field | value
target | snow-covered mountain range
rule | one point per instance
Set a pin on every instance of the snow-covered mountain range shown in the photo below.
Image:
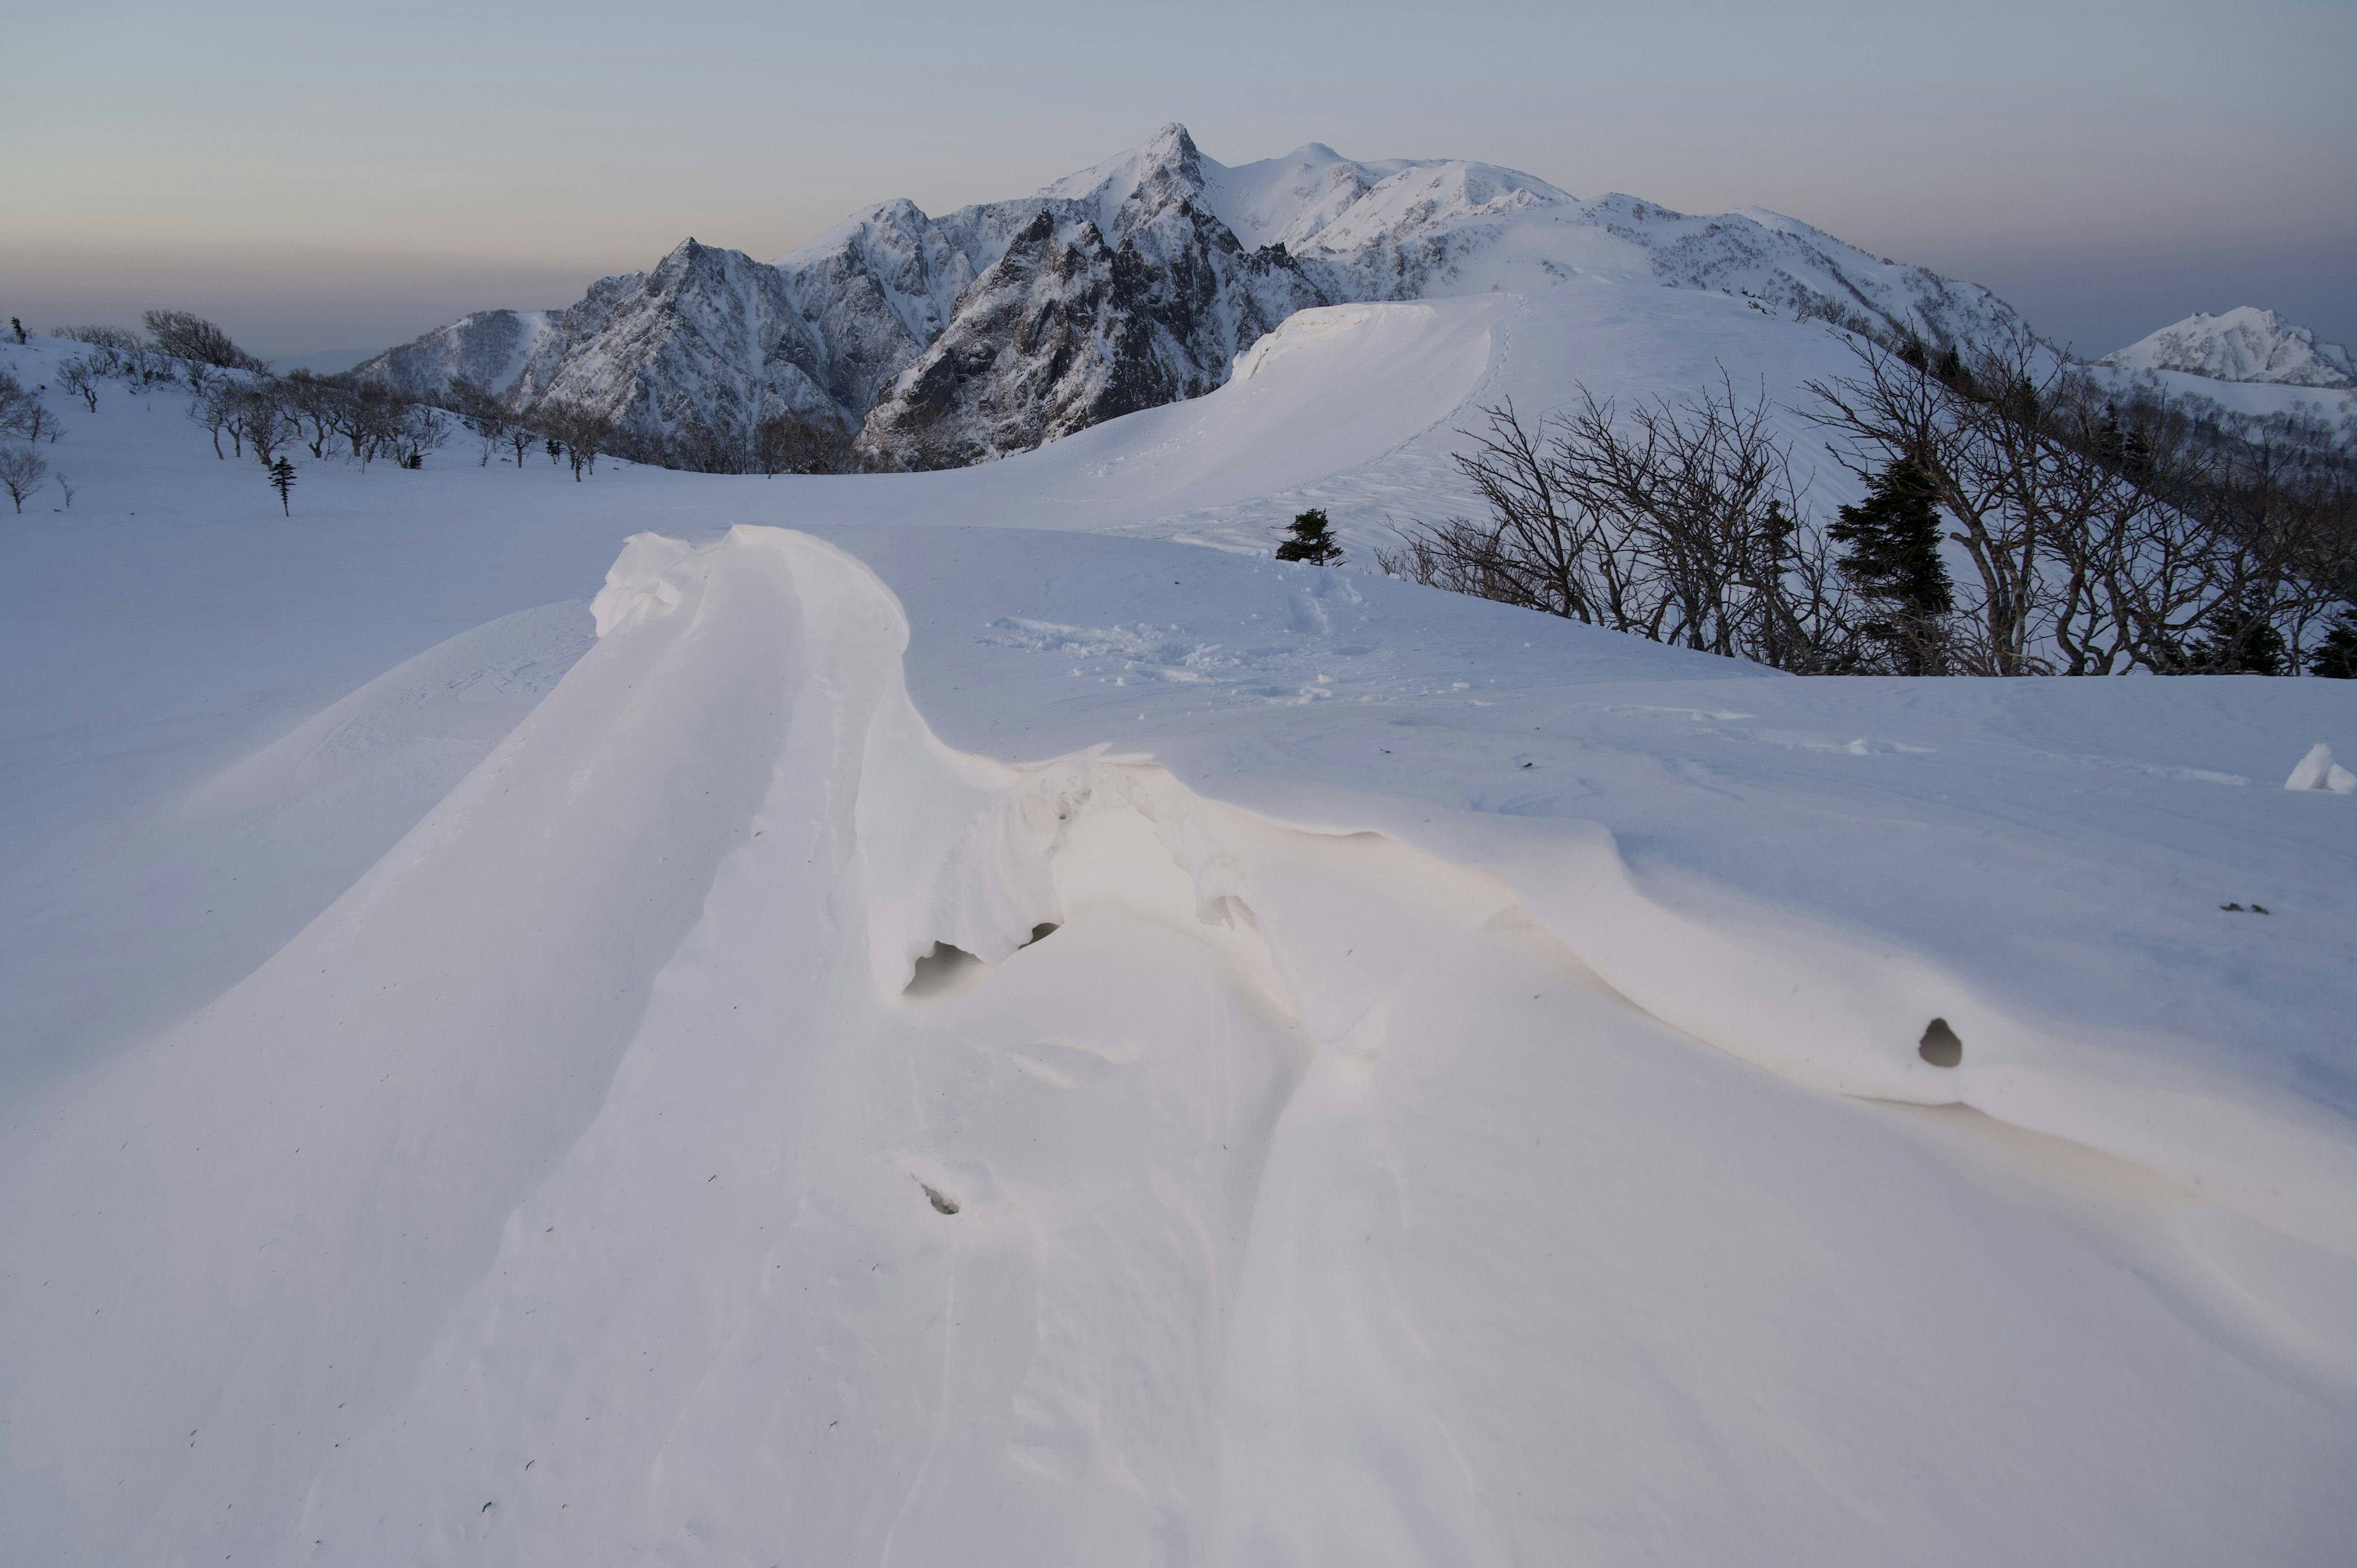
(956, 340)
(2242, 345)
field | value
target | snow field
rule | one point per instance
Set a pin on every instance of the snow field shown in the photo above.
(1373, 1164)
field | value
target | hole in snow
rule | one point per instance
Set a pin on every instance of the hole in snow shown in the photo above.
(941, 969)
(941, 1201)
(1940, 1046)
(1042, 932)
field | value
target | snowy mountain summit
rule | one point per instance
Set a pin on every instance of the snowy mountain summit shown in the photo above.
(952, 341)
(2240, 345)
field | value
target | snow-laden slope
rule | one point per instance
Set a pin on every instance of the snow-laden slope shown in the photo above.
(1376, 1163)
(2240, 345)
(488, 349)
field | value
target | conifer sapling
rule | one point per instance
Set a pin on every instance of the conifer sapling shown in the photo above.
(1894, 561)
(1310, 540)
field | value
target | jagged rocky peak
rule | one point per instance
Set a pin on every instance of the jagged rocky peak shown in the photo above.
(1136, 282)
(2246, 344)
(1122, 292)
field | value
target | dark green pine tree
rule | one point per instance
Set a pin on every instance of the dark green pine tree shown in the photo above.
(1310, 540)
(282, 480)
(1893, 561)
(2335, 658)
(2240, 639)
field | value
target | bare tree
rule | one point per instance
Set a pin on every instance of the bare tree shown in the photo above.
(118, 338)
(481, 412)
(215, 408)
(181, 334)
(262, 420)
(21, 471)
(2099, 544)
(22, 414)
(789, 443)
(520, 438)
(317, 402)
(1676, 522)
(79, 379)
(579, 430)
(421, 428)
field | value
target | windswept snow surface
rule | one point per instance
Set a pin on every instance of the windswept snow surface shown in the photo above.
(943, 1024)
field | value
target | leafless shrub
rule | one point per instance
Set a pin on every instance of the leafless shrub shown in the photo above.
(796, 444)
(1676, 522)
(21, 471)
(482, 414)
(579, 431)
(118, 338)
(261, 418)
(2100, 538)
(22, 414)
(76, 378)
(182, 335)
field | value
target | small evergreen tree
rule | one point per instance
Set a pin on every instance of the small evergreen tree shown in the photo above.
(2241, 639)
(282, 480)
(2335, 658)
(1310, 540)
(17, 327)
(1893, 560)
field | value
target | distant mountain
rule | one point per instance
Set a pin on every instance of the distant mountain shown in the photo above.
(488, 349)
(944, 341)
(2240, 345)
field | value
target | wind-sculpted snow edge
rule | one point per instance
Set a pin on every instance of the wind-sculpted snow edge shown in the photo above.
(1798, 1000)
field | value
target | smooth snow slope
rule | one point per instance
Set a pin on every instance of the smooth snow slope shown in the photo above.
(1333, 1185)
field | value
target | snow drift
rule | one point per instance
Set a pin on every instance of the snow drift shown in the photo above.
(736, 1126)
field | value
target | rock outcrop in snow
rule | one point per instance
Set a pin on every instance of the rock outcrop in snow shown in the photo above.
(1137, 282)
(2242, 345)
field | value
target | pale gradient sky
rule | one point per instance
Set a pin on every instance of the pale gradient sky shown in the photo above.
(334, 176)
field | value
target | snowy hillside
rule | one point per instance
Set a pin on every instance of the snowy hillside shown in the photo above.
(934, 1018)
(488, 349)
(2240, 345)
(1127, 285)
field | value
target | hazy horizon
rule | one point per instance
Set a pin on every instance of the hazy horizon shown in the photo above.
(339, 182)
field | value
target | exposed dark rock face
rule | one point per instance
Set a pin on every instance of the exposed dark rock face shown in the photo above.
(1069, 329)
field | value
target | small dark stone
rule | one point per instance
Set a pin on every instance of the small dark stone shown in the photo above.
(1940, 1046)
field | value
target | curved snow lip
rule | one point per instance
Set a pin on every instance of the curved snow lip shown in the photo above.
(959, 851)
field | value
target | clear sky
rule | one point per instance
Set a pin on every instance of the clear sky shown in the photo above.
(334, 176)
